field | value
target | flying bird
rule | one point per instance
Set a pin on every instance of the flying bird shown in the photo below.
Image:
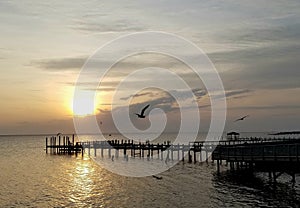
(142, 115)
(242, 118)
(157, 177)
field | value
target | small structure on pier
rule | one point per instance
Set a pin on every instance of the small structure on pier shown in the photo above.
(233, 135)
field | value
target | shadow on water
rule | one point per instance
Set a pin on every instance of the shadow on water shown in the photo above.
(243, 188)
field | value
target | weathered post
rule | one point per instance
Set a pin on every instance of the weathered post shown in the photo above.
(109, 151)
(190, 156)
(151, 150)
(133, 150)
(64, 139)
(182, 151)
(162, 152)
(59, 141)
(178, 152)
(172, 146)
(200, 155)
(143, 150)
(158, 150)
(218, 166)
(55, 149)
(206, 154)
(46, 145)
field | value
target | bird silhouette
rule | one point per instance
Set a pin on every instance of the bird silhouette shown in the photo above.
(142, 115)
(242, 118)
(157, 177)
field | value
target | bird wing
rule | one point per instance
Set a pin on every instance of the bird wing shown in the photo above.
(240, 119)
(143, 111)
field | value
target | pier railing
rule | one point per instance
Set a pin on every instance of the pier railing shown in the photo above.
(282, 151)
(273, 156)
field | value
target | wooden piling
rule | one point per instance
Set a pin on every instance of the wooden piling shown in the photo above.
(46, 145)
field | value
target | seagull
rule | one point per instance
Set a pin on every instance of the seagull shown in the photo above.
(142, 115)
(241, 119)
(157, 177)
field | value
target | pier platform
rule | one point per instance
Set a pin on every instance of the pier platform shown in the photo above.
(274, 156)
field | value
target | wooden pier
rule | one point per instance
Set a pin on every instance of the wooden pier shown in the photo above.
(63, 145)
(274, 156)
(164, 150)
(196, 151)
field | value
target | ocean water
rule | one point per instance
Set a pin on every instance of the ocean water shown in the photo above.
(31, 178)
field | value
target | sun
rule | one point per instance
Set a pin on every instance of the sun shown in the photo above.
(82, 108)
(83, 104)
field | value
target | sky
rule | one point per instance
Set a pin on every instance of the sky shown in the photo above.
(254, 46)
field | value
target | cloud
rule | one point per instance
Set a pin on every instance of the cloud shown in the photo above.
(111, 26)
(162, 100)
(165, 100)
(236, 92)
(274, 67)
(183, 95)
(121, 68)
(260, 55)
(137, 95)
(73, 64)
(266, 107)
(180, 94)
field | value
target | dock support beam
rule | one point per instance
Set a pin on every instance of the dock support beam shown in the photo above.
(218, 167)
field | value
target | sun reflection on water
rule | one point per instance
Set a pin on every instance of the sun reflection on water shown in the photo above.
(83, 183)
(89, 183)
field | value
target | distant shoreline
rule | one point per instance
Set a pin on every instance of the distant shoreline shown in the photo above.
(201, 132)
(285, 133)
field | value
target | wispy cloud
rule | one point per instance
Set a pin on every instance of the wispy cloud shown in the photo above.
(137, 95)
(108, 27)
(180, 94)
(72, 63)
(237, 92)
(266, 107)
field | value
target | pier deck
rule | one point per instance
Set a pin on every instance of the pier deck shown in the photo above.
(281, 156)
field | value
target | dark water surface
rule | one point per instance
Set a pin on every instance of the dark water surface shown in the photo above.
(30, 178)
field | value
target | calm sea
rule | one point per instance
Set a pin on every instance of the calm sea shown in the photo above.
(31, 178)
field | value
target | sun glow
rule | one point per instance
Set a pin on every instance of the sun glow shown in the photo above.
(83, 103)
